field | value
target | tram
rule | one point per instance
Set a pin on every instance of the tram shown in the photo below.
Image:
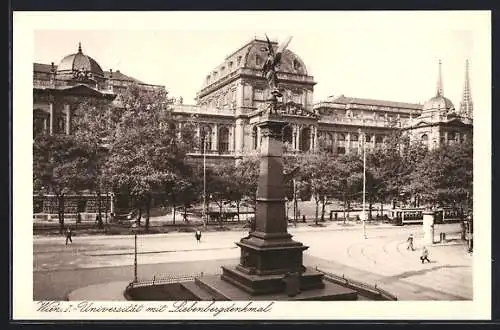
(414, 216)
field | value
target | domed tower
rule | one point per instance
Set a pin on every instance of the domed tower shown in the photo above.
(438, 107)
(80, 68)
(440, 124)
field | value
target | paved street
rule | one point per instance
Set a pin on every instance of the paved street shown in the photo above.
(381, 259)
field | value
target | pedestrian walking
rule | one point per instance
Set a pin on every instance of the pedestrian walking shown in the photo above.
(410, 243)
(198, 235)
(425, 255)
(78, 218)
(68, 235)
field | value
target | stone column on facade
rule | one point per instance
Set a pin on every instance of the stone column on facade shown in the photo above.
(198, 137)
(67, 111)
(215, 135)
(294, 137)
(231, 139)
(299, 136)
(348, 143)
(258, 137)
(239, 136)
(373, 141)
(51, 117)
(445, 137)
(315, 138)
(311, 138)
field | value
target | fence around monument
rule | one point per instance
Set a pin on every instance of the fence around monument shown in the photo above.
(372, 291)
(170, 278)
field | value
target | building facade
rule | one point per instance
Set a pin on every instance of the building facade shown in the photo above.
(233, 96)
(440, 122)
(58, 89)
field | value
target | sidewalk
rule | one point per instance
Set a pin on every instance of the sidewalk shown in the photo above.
(111, 291)
(328, 226)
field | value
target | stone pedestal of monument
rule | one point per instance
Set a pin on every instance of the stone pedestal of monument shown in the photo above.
(269, 255)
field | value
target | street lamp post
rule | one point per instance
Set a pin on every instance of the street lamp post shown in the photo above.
(204, 213)
(294, 203)
(134, 227)
(364, 185)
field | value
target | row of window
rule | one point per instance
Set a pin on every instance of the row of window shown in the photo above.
(230, 65)
(223, 138)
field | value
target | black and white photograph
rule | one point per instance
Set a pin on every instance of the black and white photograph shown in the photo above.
(252, 165)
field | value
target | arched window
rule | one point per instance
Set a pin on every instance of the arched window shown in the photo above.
(305, 139)
(254, 137)
(258, 60)
(287, 134)
(296, 64)
(425, 138)
(340, 137)
(223, 140)
(206, 136)
(354, 138)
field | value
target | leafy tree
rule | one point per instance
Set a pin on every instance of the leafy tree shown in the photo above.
(221, 186)
(60, 165)
(145, 150)
(246, 176)
(94, 125)
(445, 176)
(320, 170)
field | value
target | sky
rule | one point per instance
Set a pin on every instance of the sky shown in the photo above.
(388, 56)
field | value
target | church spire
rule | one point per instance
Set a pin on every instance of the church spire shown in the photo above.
(439, 90)
(79, 47)
(466, 104)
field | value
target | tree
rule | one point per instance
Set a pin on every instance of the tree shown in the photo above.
(146, 149)
(350, 174)
(246, 176)
(61, 165)
(445, 176)
(221, 186)
(320, 170)
(94, 125)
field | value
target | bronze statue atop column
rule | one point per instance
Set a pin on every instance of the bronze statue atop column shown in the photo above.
(270, 71)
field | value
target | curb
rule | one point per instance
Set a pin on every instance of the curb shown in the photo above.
(98, 292)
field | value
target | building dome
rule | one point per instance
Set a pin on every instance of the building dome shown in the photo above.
(439, 103)
(79, 62)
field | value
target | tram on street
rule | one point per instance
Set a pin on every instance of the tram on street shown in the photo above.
(414, 216)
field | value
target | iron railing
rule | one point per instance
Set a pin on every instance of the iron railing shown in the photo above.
(169, 278)
(371, 290)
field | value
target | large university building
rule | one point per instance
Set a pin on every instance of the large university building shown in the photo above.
(233, 96)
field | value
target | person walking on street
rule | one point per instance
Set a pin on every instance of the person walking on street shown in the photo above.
(425, 255)
(68, 235)
(410, 243)
(198, 235)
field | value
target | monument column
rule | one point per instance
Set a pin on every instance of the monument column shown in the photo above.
(271, 263)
